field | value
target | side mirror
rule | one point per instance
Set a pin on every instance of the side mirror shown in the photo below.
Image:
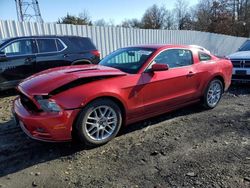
(159, 67)
(3, 56)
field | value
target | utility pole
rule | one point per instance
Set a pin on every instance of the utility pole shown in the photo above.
(28, 10)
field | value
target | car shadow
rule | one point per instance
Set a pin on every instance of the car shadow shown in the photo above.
(238, 88)
(192, 109)
(18, 152)
(8, 93)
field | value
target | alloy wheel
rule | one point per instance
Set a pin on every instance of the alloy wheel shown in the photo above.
(101, 123)
(214, 94)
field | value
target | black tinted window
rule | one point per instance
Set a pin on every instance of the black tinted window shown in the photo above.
(59, 45)
(175, 58)
(204, 57)
(82, 43)
(46, 45)
(245, 46)
(20, 47)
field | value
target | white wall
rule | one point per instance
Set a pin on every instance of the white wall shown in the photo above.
(108, 39)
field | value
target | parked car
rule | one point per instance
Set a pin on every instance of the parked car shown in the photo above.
(21, 57)
(129, 85)
(241, 63)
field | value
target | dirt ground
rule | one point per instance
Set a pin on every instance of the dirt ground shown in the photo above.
(190, 147)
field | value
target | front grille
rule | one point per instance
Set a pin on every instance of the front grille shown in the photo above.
(241, 63)
(236, 63)
(241, 77)
(28, 103)
(247, 64)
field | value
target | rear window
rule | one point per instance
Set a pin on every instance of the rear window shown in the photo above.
(204, 57)
(82, 43)
(46, 45)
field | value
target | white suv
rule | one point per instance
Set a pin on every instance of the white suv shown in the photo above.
(241, 63)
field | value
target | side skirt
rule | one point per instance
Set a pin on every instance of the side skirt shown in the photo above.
(147, 116)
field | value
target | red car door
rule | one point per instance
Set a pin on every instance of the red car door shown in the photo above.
(164, 90)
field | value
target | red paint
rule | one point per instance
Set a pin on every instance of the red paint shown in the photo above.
(142, 95)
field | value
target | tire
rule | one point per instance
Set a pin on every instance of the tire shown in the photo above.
(213, 94)
(99, 122)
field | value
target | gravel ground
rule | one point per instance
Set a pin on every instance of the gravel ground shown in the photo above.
(190, 147)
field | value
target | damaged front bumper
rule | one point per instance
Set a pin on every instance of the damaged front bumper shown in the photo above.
(51, 127)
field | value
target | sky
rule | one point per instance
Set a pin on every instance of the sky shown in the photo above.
(109, 10)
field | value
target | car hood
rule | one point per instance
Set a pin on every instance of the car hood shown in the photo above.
(240, 55)
(47, 81)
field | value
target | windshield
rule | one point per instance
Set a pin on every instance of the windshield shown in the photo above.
(128, 60)
(245, 46)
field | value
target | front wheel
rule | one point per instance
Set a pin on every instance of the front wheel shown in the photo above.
(99, 122)
(213, 94)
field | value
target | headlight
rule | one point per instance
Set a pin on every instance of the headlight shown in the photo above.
(48, 105)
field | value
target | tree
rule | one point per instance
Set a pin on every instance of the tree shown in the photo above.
(84, 16)
(155, 18)
(181, 13)
(231, 17)
(169, 20)
(82, 19)
(186, 23)
(100, 22)
(132, 23)
(202, 15)
(214, 16)
(241, 17)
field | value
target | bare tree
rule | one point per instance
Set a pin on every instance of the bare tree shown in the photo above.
(181, 11)
(169, 20)
(102, 22)
(241, 17)
(84, 15)
(154, 17)
(132, 23)
(231, 17)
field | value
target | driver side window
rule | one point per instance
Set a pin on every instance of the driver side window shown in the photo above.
(175, 58)
(20, 47)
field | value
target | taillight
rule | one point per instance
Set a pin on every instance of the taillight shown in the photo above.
(95, 53)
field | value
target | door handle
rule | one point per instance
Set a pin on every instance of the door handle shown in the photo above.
(28, 59)
(190, 74)
(65, 55)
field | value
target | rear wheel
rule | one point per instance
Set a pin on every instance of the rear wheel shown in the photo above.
(99, 122)
(213, 94)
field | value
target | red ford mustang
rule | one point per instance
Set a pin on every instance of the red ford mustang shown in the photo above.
(129, 85)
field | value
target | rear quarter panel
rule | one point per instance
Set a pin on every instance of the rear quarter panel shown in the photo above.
(215, 68)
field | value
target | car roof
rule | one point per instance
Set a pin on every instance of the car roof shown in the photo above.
(44, 36)
(159, 46)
